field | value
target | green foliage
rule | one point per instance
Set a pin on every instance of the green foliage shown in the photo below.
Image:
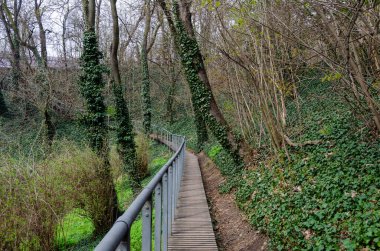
(224, 161)
(186, 127)
(111, 111)
(332, 77)
(214, 151)
(125, 139)
(3, 106)
(192, 63)
(74, 227)
(91, 87)
(77, 233)
(145, 93)
(37, 194)
(212, 5)
(326, 196)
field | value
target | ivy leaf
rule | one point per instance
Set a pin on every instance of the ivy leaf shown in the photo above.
(349, 244)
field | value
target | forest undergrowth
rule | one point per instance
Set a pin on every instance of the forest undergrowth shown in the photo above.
(50, 196)
(324, 196)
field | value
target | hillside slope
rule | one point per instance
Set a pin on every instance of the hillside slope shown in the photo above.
(325, 196)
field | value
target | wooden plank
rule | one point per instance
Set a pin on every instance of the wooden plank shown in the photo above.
(192, 226)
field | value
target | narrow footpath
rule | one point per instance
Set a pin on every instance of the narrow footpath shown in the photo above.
(192, 227)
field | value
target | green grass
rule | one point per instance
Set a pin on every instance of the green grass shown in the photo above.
(76, 231)
(75, 227)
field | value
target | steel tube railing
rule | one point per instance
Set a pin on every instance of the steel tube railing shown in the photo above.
(164, 189)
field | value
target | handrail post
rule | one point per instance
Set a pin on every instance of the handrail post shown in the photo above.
(147, 226)
(174, 188)
(165, 212)
(178, 166)
(158, 212)
(170, 199)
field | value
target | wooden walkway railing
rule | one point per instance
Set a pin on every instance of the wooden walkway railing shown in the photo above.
(182, 218)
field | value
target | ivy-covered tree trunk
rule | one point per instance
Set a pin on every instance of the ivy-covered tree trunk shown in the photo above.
(124, 130)
(204, 103)
(171, 93)
(200, 124)
(91, 87)
(125, 140)
(145, 89)
(3, 106)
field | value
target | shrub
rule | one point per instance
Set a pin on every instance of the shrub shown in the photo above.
(142, 151)
(214, 151)
(35, 196)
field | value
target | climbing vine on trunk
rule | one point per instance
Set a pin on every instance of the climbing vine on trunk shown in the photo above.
(124, 129)
(3, 106)
(192, 63)
(201, 128)
(125, 139)
(91, 87)
(145, 89)
(145, 92)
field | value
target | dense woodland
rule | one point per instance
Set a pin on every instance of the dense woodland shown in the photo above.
(284, 96)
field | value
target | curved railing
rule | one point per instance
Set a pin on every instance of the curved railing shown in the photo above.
(164, 188)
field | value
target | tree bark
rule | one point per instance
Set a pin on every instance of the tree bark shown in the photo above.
(91, 86)
(202, 73)
(204, 103)
(145, 90)
(47, 111)
(125, 135)
(200, 124)
(12, 30)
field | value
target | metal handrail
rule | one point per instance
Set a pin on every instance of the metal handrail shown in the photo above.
(165, 188)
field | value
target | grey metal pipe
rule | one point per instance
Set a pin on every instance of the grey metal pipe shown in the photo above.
(169, 176)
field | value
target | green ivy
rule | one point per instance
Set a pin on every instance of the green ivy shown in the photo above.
(91, 86)
(145, 92)
(201, 96)
(326, 196)
(125, 139)
(3, 106)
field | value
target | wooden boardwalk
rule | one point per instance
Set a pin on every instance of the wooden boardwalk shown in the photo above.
(192, 226)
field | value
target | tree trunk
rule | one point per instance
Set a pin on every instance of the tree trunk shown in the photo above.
(200, 124)
(91, 85)
(171, 93)
(12, 30)
(64, 48)
(145, 90)
(3, 106)
(204, 103)
(47, 111)
(125, 135)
